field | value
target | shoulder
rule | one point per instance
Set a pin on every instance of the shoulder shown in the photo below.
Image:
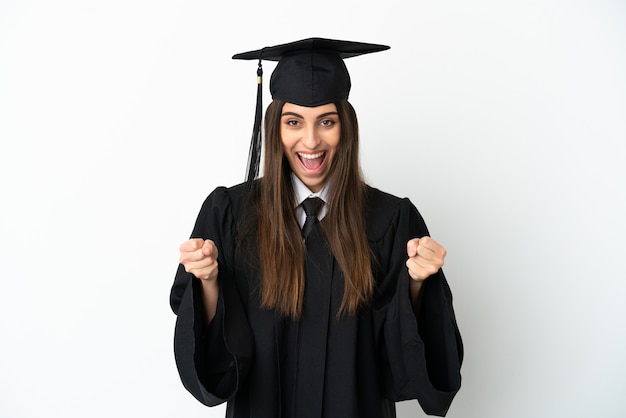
(385, 211)
(382, 203)
(223, 210)
(228, 201)
(230, 196)
(378, 198)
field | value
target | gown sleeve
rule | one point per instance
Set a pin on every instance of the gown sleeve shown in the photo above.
(422, 356)
(212, 364)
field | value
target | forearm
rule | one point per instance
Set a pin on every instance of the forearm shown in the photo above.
(210, 293)
(415, 293)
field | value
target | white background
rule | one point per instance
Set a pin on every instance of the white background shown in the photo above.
(504, 122)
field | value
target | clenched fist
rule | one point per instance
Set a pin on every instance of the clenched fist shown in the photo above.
(199, 258)
(425, 257)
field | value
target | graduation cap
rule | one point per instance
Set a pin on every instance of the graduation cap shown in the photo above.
(310, 72)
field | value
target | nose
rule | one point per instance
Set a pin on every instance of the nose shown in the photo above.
(310, 137)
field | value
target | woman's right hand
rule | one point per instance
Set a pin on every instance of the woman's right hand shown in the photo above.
(199, 258)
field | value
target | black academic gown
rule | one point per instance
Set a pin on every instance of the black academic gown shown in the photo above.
(268, 366)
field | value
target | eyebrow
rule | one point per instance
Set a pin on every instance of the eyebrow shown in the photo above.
(323, 115)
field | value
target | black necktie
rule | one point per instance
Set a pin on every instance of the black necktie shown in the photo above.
(311, 206)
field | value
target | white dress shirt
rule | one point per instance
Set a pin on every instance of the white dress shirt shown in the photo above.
(302, 192)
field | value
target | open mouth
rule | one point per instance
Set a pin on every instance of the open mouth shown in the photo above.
(312, 161)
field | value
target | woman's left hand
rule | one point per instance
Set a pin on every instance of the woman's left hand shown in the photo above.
(425, 257)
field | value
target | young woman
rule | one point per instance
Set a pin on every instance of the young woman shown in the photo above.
(341, 321)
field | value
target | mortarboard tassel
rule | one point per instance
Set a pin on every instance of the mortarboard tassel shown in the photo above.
(254, 155)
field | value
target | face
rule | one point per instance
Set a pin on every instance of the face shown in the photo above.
(310, 136)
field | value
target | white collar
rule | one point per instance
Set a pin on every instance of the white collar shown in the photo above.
(302, 192)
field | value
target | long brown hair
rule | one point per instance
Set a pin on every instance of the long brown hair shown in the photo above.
(281, 250)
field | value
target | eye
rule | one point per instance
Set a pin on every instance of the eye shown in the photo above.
(292, 122)
(327, 122)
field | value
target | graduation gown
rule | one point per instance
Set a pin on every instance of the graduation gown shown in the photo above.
(268, 366)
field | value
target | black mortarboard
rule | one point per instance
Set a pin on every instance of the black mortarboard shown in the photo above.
(310, 72)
